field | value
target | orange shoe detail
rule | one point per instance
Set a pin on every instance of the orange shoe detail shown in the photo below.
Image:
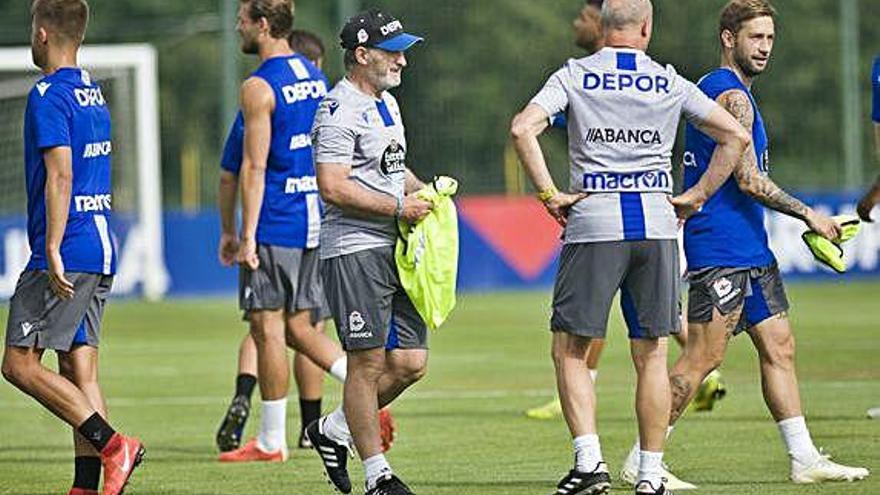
(251, 452)
(387, 428)
(120, 457)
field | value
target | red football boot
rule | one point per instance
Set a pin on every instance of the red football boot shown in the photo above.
(120, 457)
(387, 428)
(251, 452)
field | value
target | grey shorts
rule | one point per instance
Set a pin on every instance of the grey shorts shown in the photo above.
(369, 306)
(38, 318)
(759, 291)
(590, 274)
(287, 278)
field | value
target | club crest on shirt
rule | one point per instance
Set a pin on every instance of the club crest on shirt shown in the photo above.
(393, 159)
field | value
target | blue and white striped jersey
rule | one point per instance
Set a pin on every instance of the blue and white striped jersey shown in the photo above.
(623, 111)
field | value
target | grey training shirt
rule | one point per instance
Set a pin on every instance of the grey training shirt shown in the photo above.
(356, 129)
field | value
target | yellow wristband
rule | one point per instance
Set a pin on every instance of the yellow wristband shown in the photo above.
(547, 194)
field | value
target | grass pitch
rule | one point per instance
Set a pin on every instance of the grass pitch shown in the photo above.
(168, 371)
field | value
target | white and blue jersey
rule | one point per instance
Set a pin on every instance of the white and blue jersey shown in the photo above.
(875, 84)
(290, 215)
(729, 230)
(66, 109)
(622, 111)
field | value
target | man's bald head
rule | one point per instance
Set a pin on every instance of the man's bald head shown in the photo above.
(625, 14)
(628, 23)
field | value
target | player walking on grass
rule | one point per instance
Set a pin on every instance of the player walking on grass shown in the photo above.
(281, 215)
(59, 299)
(620, 226)
(360, 152)
(309, 376)
(735, 283)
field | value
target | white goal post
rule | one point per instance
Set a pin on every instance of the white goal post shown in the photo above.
(141, 59)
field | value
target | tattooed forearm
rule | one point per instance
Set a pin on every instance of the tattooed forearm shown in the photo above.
(749, 179)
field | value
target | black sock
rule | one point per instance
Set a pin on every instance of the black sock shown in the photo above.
(244, 385)
(96, 431)
(87, 472)
(309, 410)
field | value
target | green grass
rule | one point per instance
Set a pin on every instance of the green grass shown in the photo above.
(168, 371)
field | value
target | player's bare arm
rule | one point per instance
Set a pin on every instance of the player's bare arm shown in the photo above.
(412, 183)
(524, 130)
(732, 141)
(872, 197)
(59, 177)
(337, 189)
(257, 104)
(760, 186)
(227, 193)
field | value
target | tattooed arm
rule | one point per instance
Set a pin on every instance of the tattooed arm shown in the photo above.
(760, 186)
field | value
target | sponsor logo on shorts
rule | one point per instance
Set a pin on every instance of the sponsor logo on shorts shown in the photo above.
(393, 159)
(26, 328)
(356, 324)
(724, 289)
(96, 202)
(609, 135)
(649, 181)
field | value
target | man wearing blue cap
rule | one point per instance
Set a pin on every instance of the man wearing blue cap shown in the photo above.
(360, 156)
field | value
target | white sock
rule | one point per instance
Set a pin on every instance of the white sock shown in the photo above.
(587, 453)
(374, 468)
(797, 440)
(336, 427)
(273, 423)
(651, 467)
(633, 458)
(339, 369)
(594, 374)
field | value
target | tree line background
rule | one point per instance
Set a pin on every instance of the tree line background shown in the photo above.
(481, 62)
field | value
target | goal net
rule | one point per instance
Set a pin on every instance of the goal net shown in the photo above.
(128, 78)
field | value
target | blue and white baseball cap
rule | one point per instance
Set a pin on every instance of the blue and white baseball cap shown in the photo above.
(376, 29)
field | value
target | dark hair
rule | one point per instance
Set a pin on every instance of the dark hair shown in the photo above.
(738, 12)
(67, 18)
(306, 43)
(279, 14)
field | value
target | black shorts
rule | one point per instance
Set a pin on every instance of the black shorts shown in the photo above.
(759, 291)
